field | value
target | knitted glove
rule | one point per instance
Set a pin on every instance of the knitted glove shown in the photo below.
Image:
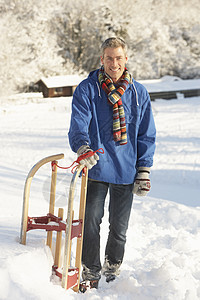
(142, 183)
(90, 161)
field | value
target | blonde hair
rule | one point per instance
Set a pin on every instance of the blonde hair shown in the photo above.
(113, 42)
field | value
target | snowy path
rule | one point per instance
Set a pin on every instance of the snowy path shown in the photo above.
(162, 259)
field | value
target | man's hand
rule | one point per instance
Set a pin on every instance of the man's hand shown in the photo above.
(142, 183)
(90, 161)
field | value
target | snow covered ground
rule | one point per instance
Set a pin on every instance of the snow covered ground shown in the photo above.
(162, 259)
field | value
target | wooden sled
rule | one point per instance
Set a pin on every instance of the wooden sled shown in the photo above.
(73, 228)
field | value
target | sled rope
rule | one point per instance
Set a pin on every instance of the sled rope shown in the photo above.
(83, 156)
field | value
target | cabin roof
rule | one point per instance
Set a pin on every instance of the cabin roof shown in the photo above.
(61, 81)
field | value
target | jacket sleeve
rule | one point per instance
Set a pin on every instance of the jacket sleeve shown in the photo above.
(80, 118)
(146, 135)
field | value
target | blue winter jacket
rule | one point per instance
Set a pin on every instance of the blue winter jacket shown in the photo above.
(92, 123)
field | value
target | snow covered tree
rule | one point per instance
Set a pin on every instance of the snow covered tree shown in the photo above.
(44, 38)
(82, 29)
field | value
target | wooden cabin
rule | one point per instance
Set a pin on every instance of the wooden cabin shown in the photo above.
(172, 87)
(58, 86)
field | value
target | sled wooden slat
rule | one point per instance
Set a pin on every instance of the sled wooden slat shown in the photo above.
(81, 217)
(58, 241)
(52, 200)
(67, 251)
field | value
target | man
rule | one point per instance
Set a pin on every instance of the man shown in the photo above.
(111, 111)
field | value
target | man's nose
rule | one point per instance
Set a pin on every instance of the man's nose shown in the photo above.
(114, 62)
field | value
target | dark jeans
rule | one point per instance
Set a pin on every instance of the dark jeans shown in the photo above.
(121, 198)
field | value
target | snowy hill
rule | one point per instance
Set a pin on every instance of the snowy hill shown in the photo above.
(162, 258)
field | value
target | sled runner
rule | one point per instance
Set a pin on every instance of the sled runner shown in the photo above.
(73, 228)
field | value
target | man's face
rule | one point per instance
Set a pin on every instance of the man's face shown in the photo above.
(114, 61)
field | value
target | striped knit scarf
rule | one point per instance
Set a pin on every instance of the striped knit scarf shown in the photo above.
(114, 97)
